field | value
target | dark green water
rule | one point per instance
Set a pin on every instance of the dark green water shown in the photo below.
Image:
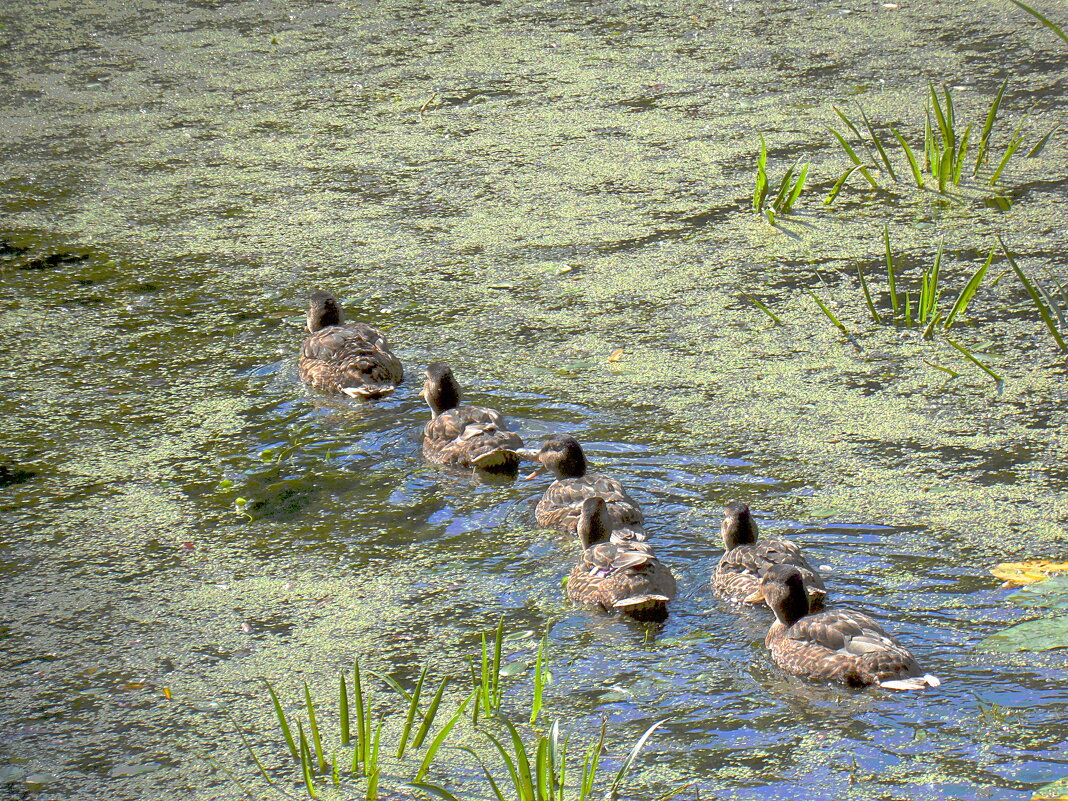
(213, 162)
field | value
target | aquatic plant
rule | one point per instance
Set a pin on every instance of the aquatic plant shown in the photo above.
(790, 187)
(535, 766)
(1041, 18)
(945, 152)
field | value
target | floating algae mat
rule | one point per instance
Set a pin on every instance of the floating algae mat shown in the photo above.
(558, 200)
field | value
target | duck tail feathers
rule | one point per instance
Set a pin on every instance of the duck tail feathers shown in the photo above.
(914, 683)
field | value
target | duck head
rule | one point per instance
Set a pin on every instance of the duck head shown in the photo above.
(783, 589)
(739, 527)
(561, 455)
(594, 523)
(323, 311)
(440, 390)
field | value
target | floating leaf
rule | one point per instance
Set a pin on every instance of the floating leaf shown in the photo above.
(1033, 635)
(617, 354)
(515, 636)
(1028, 572)
(513, 668)
(1049, 594)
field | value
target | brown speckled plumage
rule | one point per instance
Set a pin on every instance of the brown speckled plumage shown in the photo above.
(352, 359)
(835, 646)
(622, 577)
(560, 506)
(745, 559)
(465, 436)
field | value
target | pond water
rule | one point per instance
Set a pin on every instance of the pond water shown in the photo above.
(519, 189)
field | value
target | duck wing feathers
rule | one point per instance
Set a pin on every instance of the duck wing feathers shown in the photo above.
(626, 577)
(842, 646)
(739, 570)
(471, 437)
(353, 359)
(561, 505)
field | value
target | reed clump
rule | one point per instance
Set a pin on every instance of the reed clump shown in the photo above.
(515, 761)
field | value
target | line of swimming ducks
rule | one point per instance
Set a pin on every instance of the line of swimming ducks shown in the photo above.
(618, 569)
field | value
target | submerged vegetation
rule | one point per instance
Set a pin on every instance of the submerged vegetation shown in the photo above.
(531, 764)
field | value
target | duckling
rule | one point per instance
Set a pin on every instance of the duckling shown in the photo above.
(624, 577)
(837, 645)
(745, 560)
(353, 359)
(561, 505)
(465, 436)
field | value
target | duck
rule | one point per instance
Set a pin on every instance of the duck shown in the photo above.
(624, 577)
(465, 436)
(351, 359)
(838, 645)
(745, 560)
(561, 505)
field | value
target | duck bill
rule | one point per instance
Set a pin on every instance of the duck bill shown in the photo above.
(756, 597)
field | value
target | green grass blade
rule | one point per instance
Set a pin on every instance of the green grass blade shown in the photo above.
(1037, 149)
(509, 763)
(839, 184)
(952, 373)
(432, 789)
(795, 193)
(763, 308)
(943, 124)
(286, 732)
(829, 313)
(313, 725)
(849, 152)
(1045, 21)
(305, 762)
(951, 117)
(916, 176)
(965, 296)
(413, 708)
(984, 137)
(1052, 306)
(770, 215)
(431, 713)
(962, 152)
(589, 766)
(1035, 298)
(498, 689)
(439, 738)
(343, 711)
(931, 301)
(848, 122)
(1014, 143)
(945, 170)
(362, 732)
(928, 332)
(252, 753)
(867, 296)
(539, 681)
(624, 769)
(543, 772)
(373, 773)
(890, 269)
(392, 682)
(784, 188)
(908, 311)
(878, 144)
(761, 190)
(522, 763)
(975, 361)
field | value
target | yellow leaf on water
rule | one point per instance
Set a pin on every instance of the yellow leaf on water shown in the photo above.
(166, 692)
(1029, 572)
(617, 354)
